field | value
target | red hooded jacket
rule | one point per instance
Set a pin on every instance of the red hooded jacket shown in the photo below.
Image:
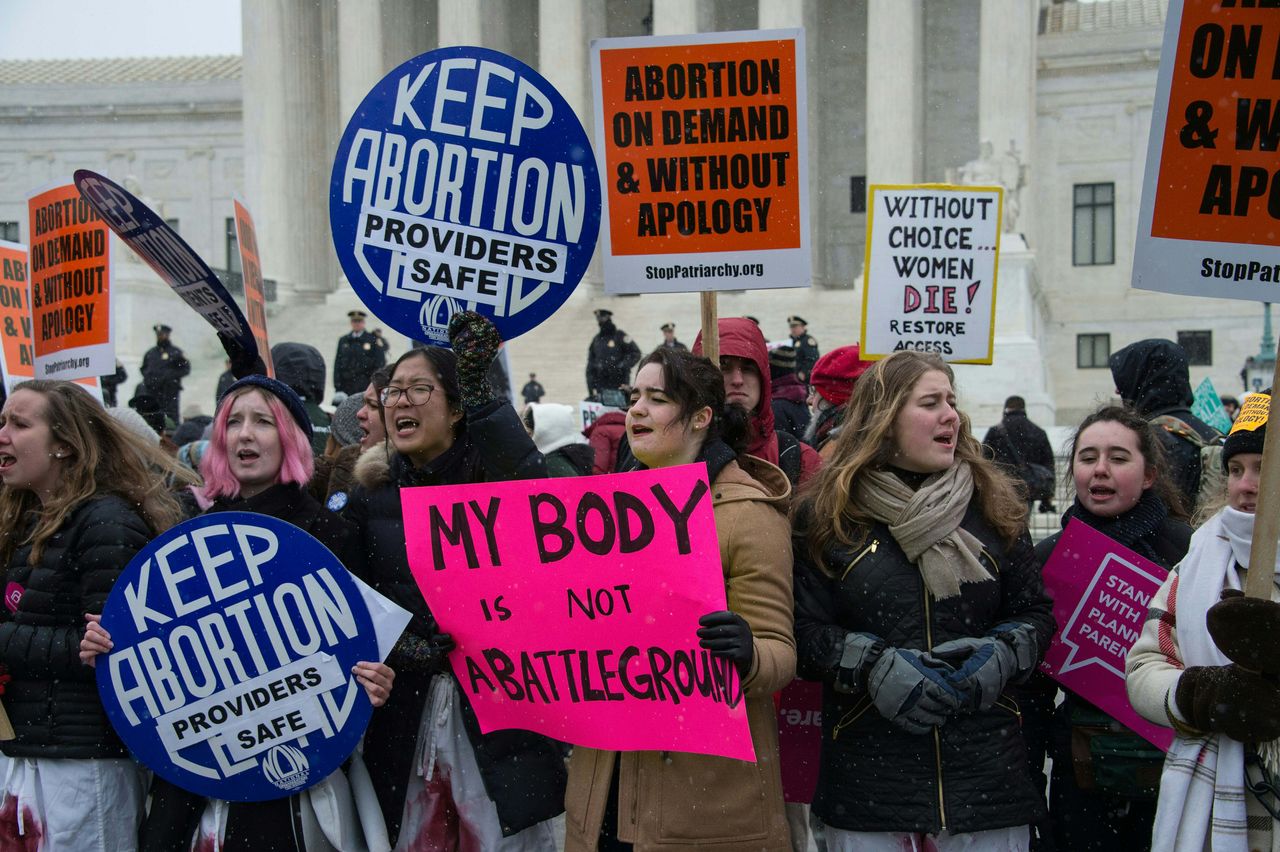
(741, 338)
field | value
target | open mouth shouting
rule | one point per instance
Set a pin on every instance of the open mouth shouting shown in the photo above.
(406, 425)
(6, 462)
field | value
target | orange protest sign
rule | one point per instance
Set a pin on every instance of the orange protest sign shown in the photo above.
(16, 358)
(1209, 223)
(255, 300)
(70, 286)
(702, 151)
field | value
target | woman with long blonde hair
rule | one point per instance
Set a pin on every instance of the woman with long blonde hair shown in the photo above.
(80, 496)
(918, 601)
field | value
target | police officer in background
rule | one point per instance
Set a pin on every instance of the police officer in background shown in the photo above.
(359, 354)
(163, 369)
(806, 347)
(669, 337)
(610, 357)
(533, 391)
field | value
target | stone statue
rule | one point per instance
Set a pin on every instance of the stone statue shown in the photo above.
(1007, 171)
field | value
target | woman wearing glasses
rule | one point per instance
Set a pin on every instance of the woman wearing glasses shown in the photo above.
(441, 783)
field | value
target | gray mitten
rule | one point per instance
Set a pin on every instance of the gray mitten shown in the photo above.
(911, 690)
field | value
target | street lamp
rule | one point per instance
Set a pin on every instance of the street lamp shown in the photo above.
(1259, 369)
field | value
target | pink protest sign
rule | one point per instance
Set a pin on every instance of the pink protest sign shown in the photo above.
(575, 606)
(1101, 591)
(800, 739)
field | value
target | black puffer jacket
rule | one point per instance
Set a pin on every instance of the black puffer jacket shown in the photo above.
(971, 774)
(523, 772)
(52, 699)
(1153, 376)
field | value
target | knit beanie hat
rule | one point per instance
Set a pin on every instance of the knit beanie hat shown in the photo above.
(782, 360)
(345, 428)
(834, 374)
(292, 402)
(1250, 428)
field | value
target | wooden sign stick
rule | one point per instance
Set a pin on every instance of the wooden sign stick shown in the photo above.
(710, 328)
(1266, 522)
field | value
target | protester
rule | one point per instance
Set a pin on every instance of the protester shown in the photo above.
(917, 602)
(610, 357)
(1023, 449)
(163, 369)
(605, 436)
(554, 429)
(441, 783)
(259, 460)
(744, 360)
(790, 412)
(359, 353)
(1123, 490)
(78, 501)
(806, 347)
(1153, 377)
(830, 386)
(1231, 405)
(674, 800)
(335, 471)
(301, 367)
(1208, 670)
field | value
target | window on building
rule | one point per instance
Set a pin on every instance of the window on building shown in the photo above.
(1093, 226)
(1092, 350)
(233, 247)
(858, 194)
(1198, 346)
(9, 231)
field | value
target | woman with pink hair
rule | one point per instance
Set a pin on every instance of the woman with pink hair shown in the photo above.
(259, 460)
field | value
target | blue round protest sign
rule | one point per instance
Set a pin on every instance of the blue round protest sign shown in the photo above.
(160, 247)
(233, 639)
(464, 181)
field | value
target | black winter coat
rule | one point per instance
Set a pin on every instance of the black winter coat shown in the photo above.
(610, 358)
(523, 772)
(52, 699)
(971, 773)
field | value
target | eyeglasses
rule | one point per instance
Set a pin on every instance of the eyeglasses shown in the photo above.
(416, 394)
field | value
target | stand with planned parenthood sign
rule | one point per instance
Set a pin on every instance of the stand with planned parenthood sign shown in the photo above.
(159, 245)
(931, 271)
(1101, 591)
(703, 153)
(575, 605)
(234, 635)
(464, 181)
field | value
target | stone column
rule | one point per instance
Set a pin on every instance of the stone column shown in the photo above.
(460, 21)
(360, 62)
(680, 17)
(895, 91)
(1006, 87)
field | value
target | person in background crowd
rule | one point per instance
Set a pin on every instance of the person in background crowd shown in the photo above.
(191, 429)
(163, 369)
(226, 379)
(918, 601)
(790, 413)
(674, 800)
(610, 357)
(441, 783)
(335, 472)
(554, 429)
(149, 407)
(533, 391)
(1153, 377)
(744, 359)
(1207, 668)
(78, 501)
(1231, 405)
(259, 460)
(669, 337)
(111, 385)
(1122, 489)
(1016, 443)
(359, 353)
(806, 347)
(830, 386)
(605, 436)
(301, 367)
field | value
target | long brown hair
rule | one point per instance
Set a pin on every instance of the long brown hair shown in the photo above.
(103, 458)
(1148, 445)
(866, 442)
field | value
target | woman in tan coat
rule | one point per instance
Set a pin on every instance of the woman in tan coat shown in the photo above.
(672, 800)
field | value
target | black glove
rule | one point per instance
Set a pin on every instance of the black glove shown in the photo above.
(1246, 630)
(475, 341)
(910, 689)
(1229, 700)
(244, 362)
(726, 634)
(424, 654)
